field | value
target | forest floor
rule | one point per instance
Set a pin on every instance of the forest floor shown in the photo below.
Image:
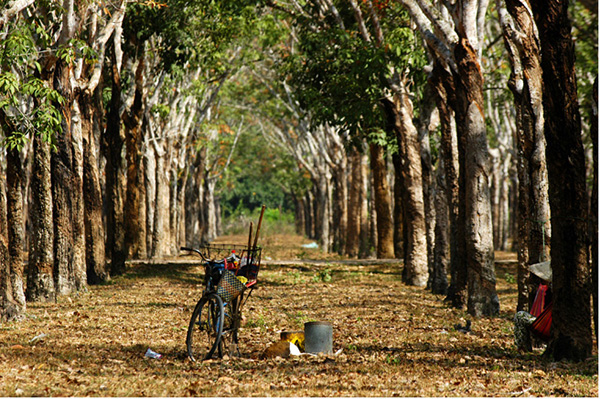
(395, 340)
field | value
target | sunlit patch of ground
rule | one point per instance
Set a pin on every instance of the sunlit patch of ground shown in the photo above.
(395, 340)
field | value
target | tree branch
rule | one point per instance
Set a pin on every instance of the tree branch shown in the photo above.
(11, 9)
(440, 37)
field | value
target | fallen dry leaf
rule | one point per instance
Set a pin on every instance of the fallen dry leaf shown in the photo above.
(396, 340)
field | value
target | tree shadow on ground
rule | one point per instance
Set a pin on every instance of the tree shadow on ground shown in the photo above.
(186, 273)
(476, 357)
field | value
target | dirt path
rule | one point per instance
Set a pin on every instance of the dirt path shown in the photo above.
(396, 340)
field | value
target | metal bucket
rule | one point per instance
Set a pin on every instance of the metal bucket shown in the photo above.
(318, 337)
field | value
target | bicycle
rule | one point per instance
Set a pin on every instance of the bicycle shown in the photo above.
(228, 283)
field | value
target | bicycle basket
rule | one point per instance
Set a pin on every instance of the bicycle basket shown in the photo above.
(229, 286)
(250, 264)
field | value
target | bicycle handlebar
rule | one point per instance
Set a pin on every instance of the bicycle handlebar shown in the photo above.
(194, 250)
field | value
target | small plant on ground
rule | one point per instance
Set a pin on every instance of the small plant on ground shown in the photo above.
(258, 321)
(510, 279)
(323, 276)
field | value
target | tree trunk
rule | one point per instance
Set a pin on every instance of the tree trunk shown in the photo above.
(194, 218)
(474, 172)
(439, 282)
(428, 182)
(79, 258)
(504, 208)
(522, 42)
(63, 186)
(399, 113)
(400, 236)
(115, 181)
(443, 82)
(16, 225)
(300, 217)
(180, 238)
(310, 213)
(571, 314)
(353, 228)
(173, 205)
(323, 215)
(594, 207)
(500, 161)
(210, 211)
(135, 227)
(495, 194)
(92, 195)
(364, 249)
(150, 183)
(173, 194)
(381, 191)
(372, 229)
(40, 279)
(340, 219)
(160, 237)
(9, 310)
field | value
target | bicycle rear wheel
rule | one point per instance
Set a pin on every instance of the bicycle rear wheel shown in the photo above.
(206, 327)
(229, 338)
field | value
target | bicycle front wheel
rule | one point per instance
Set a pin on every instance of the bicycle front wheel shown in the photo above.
(206, 327)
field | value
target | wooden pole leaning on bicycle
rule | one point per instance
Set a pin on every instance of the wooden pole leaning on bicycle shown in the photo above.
(253, 249)
(234, 347)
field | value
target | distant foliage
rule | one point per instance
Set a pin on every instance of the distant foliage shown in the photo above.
(274, 221)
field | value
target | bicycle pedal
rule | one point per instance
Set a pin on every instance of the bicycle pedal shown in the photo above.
(201, 326)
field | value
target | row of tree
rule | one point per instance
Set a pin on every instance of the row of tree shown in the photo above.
(123, 122)
(102, 111)
(354, 67)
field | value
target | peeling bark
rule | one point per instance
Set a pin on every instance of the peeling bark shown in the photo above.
(63, 185)
(475, 196)
(443, 82)
(522, 41)
(441, 255)
(571, 313)
(135, 227)
(92, 196)
(40, 279)
(8, 307)
(400, 118)
(16, 225)
(115, 179)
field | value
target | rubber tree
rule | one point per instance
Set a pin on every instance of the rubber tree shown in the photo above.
(358, 64)
(12, 219)
(522, 42)
(103, 25)
(29, 111)
(571, 314)
(318, 149)
(443, 83)
(57, 70)
(456, 37)
(398, 109)
(8, 306)
(311, 148)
